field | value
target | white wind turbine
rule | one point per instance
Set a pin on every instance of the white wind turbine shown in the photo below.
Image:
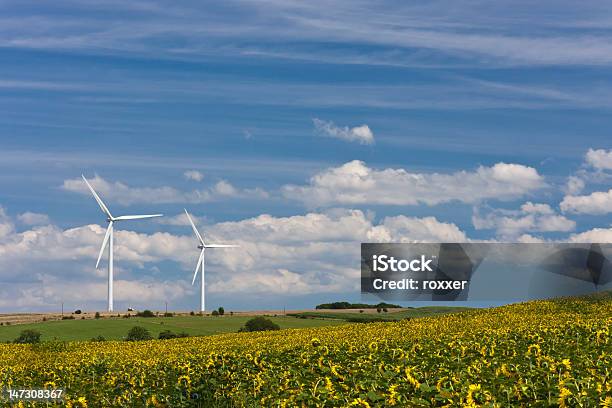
(203, 246)
(109, 237)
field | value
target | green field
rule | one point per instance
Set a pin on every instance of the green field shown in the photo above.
(391, 315)
(117, 328)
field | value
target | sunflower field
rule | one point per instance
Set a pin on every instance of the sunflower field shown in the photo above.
(544, 353)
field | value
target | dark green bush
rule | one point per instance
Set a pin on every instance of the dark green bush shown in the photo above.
(215, 313)
(138, 333)
(97, 316)
(145, 313)
(28, 336)
(221, 311)
(259, 324)
(98, 338)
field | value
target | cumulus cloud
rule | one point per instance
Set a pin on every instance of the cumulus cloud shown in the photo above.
(597, 235)
(193, 175)
(599, 202)
(126, 195)
(361, 134)
(356, 183)
(600, 159)
(532, 217)
(30, 218)
(302, 254)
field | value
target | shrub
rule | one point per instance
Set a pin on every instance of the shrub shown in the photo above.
(167, 334)
(378, 310)
(231, 313)
(68, 317)
(191, 313)
(44, 319)
(361, 311)
(145, 313)
(385, 310)
(78, 311)
(138, 333)
(82, 317)
(221, 311)
(168, 314)
(97, 316)
(98, 338)
(259, 324)
(215, 313)
(28, 336)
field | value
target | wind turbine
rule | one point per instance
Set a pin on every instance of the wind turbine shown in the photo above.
(109, 237)
(203, 246)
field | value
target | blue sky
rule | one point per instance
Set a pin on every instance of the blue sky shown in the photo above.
(299, 117)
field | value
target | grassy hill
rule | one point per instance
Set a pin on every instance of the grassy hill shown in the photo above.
(117, 328)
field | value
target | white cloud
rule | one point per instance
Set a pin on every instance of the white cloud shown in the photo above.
(193, 175)
(179, 219)
(599, 202)
(30, 218)
(311, 253)
(127, 195)
(597, 235)
(355, 183)
(406, 229)
(574, 185)
(361, 134)
(600, 159)
(6, 224)
(510, 225)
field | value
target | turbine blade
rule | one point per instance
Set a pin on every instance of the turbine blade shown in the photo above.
(221, 246)
(197, 268)
(98, 199)
(136, 217)
(108, 230)
(195, 230)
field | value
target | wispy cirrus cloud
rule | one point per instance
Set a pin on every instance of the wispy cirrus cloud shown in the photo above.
(436, 31)
(127, 195)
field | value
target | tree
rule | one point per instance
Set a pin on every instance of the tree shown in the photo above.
(215, 313)
(138, 333)
(259, 323)
(97, 316)
(145, 313)
(221, 311)
(28, 336)
(378, 310)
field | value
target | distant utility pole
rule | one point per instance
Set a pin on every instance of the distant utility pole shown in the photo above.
(62, 309)
(166, 307)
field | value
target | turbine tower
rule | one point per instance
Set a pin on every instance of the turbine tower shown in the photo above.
(203, 246)
(108, 238)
